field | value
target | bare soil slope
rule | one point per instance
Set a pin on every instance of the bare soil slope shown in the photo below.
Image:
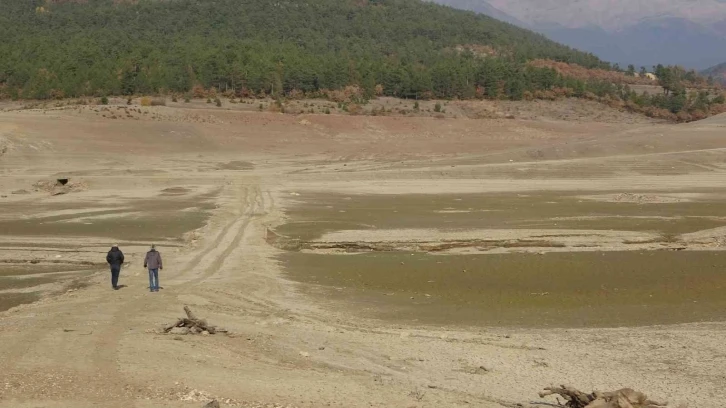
(207, 186)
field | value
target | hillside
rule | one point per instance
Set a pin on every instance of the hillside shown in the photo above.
(640, 32)
(717, 72)
(408, 47)
(245, 48)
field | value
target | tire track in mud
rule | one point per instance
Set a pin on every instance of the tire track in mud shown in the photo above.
(255, 262)
(248, 257)
(208, 250)
(254, 205)
(107, 347)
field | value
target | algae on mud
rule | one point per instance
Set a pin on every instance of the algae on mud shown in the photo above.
(10, 300)
(23, 283)
(575, 289)
(591, 289)
(313, 215)
(15, 270)
(19, 283)
(163, 218)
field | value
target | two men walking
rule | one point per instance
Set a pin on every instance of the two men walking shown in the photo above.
(152, 261)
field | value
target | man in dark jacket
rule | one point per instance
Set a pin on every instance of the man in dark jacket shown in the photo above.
(153, 263)
(115, 259)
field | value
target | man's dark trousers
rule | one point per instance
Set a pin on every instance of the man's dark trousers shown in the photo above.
(115, 271)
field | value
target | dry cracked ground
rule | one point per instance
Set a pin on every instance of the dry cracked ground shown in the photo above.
(359, 261)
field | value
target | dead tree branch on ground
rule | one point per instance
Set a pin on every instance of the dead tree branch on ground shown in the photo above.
(623, 398)
(192, 325)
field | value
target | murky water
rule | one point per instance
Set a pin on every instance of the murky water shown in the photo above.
(581, 289)
(9, 300)
(18, 280)
(317, 214)
(587, 289)
(163, 218)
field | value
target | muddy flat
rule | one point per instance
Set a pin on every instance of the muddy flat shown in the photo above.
(578, 289)
(359, 261)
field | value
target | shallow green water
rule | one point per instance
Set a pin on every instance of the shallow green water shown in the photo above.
(586, 289)
(15, 277)
(9, 300)
(316, 214)
(158, 219)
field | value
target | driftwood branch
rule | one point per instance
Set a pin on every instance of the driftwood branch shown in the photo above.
(212, 404)
(189, 313)
(192, 325)
(179, 323)
(623, 398)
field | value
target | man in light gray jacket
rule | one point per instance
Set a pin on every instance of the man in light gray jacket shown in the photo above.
(153, 263)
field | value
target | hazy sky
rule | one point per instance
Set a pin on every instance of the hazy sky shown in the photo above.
(610, 14)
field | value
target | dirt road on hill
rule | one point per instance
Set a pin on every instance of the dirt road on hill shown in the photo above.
(207, 186)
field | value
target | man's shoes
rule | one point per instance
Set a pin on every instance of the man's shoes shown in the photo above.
(115, 288)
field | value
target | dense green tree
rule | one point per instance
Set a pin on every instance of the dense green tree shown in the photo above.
(403, 48)
(99, 47)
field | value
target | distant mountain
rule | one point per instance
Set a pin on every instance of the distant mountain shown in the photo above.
(672, 41)
(484, 8)
(718, 72)
(691, 33)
